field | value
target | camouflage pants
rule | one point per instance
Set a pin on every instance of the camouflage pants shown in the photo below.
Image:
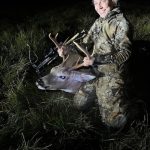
(108, 91)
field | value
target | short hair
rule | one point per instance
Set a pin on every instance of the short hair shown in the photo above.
(115, 2)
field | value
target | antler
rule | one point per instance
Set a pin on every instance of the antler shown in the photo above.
(58, 45)
(84, 51)
(54, 40)
(66, 42)
(69, 41)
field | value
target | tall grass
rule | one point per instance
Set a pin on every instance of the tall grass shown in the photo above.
(33, 119)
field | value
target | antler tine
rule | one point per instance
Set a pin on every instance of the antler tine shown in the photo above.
(82, 49)
(69, 41)
(64, 60)
(78, 61)
(77, 66)
(64, 43)
(54, 41)
(56, 35)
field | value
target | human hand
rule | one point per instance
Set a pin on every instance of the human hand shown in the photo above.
(62, 50)
(88, 61)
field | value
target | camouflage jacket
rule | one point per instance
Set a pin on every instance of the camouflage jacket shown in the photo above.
(111, 38)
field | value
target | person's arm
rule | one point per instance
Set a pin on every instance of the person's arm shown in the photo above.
(122, 47)
(123, 43)
(88, 38)
(87, 41)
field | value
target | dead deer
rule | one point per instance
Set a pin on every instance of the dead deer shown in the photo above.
(66, 76)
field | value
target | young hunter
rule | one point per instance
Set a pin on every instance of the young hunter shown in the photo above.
(111, 49)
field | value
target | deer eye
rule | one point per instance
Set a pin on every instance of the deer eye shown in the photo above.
(62, 77)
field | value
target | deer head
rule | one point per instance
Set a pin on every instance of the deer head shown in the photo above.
(62, 77)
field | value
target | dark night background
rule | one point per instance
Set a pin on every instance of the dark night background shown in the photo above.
(24, 8)
(31, 118)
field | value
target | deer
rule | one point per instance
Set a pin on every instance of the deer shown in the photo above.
(67, 76)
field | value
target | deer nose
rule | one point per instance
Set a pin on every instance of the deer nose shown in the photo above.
(40, 81)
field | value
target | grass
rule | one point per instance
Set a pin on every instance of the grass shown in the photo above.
(31, 119)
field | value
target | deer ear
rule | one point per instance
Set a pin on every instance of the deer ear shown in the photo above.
(84, 77)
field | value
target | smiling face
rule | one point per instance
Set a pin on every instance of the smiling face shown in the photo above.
(103, 7)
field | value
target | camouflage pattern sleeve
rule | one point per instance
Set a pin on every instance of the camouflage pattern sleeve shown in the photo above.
(122, 43)
(122, 46)
(87, 41)
(88, 38)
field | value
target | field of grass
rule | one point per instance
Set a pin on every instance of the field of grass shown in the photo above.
(31, 119)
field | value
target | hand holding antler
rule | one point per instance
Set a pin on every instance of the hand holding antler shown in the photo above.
(62, 48)
(62, 51)
(88, 61)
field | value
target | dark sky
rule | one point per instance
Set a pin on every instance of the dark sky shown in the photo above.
(37, 2)
(21, 8)
(15, 3)
(12, 6)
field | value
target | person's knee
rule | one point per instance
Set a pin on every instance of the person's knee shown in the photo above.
(83, 101)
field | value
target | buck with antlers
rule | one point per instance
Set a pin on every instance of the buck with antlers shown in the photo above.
(69, 77)
(66, 76)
